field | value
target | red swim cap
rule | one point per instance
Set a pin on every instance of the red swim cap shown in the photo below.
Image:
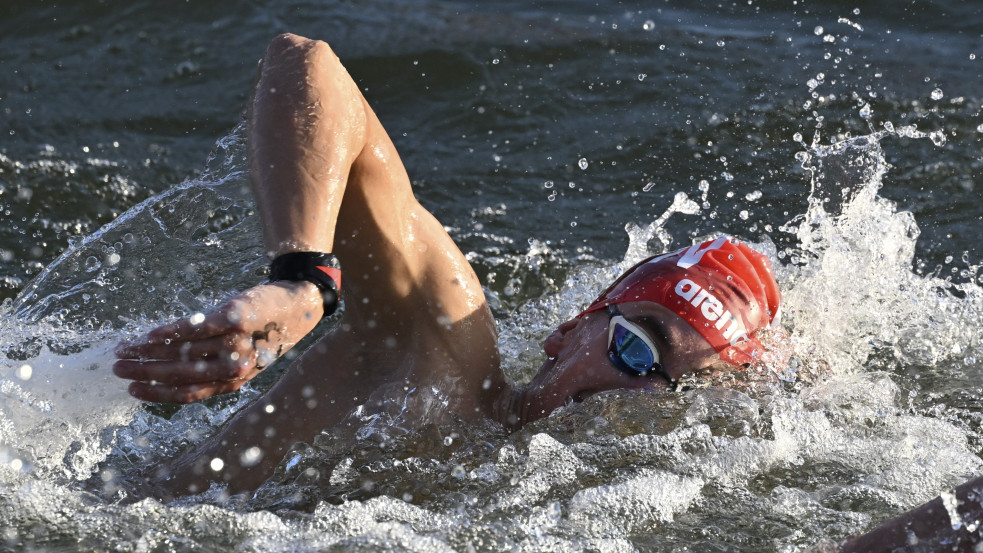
(722, 288)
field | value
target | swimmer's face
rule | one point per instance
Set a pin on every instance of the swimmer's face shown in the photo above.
(578, 364)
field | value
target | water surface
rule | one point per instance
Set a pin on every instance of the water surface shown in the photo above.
(536, 132)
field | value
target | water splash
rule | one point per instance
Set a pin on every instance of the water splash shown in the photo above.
(855, 249)
(125, 272)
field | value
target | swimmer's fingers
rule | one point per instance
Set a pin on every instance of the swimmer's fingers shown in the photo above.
(187, 372)
(232, 346)
(229, 318)
(187, 393)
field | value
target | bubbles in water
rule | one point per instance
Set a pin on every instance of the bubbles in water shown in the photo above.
(582, 163)
(818, 31)
(937, 94)
(216, 464)
(721, 43)
(648, 186)
(753, 196)
(92, 263)
(641, 76)
(744, 214)
(938, 137)
(648, 25)
(548, 184)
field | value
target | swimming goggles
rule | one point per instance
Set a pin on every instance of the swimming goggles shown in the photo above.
(631, 349)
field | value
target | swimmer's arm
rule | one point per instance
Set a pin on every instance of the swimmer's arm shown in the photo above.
(302, 143)
(929, 526)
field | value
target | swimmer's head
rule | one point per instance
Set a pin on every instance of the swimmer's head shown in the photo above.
(666, 317)
(725, 290)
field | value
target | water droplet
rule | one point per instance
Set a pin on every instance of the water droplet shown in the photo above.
(251, 456)
(24, 372)
(937, 94)
(972, 56)
(448, 440)
(548, 184)
(865, 111)
(216, 464)
(648, 186)
(582, 163)
(797, 137)
(938, 137)
(648, 25)
(818, 31)
(727, 176)
(889, 126)
(721, 43)
(552, 196)
(743, 215)
(641, 76)
(753, 196)
(979, 129)
(495, 61)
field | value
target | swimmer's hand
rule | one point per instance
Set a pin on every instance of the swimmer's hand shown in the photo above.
(202, 356)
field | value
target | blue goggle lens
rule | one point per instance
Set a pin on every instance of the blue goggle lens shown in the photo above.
(631, 351)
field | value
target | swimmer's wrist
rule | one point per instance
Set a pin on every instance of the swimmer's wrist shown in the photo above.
(323, 270)
(305, 295)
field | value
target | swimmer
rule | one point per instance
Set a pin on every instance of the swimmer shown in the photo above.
(339, 217)
(953, 522)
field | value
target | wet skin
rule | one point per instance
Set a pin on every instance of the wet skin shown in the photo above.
(327, 177)
(578, 364)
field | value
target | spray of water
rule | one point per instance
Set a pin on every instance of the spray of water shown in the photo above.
(817, 457)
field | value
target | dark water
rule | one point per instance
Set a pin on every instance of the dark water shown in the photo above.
(107, 103)
(535, 131)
